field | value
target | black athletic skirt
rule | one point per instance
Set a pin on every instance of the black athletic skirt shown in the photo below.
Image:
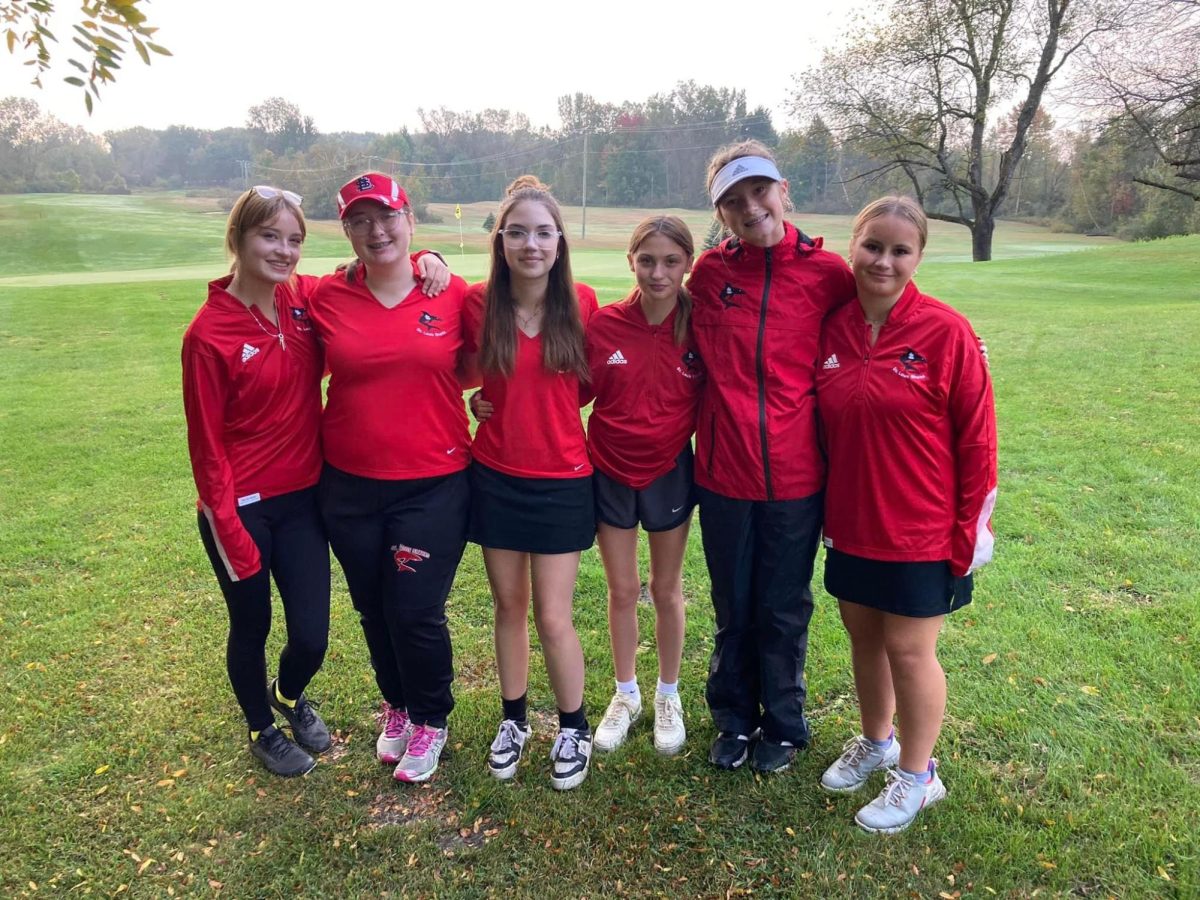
(916, 589)
(532, 515)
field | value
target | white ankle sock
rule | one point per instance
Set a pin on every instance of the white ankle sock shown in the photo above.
(664, 688)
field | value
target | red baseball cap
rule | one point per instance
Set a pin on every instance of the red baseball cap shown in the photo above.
(371, 186)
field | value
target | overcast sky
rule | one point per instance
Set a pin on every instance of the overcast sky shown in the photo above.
(358, 65)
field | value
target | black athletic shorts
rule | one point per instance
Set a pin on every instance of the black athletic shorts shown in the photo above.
(663, 504)
(532, 515)
(916, 589)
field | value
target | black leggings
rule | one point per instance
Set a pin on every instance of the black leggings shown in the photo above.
(288, 533)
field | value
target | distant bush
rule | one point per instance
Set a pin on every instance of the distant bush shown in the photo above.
(490, 222)
(116, 186)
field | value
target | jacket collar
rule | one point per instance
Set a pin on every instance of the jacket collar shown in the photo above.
(795, 243)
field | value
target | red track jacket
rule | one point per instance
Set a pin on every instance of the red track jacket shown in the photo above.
(253, 410)
(756, 322)
(910, 430)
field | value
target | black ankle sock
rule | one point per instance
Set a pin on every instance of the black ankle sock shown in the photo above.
(577, 720)
(515, 709)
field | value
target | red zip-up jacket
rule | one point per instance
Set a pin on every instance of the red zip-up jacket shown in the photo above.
(909, 426)
(756, 321)
(253, 408)
(646, 388)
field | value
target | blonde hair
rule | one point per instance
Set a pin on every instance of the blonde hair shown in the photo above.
(893, 205)
(728, 154)
(250, 211)
(674, 229)
(562, 325)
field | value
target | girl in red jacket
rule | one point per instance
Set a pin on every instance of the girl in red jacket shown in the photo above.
(909, 424)
(646, 381)
(393, 492)
(252, 398)
(531, 485)
(759, 300)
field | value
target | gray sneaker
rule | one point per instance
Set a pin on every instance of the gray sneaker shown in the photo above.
(280, 755)
(422, 754)
(899, 802)
(859, 759)
(307, 728)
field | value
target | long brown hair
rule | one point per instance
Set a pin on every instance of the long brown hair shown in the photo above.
(673, 229)
(562, 326)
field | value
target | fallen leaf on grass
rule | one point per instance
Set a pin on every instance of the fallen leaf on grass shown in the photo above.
(145, 864)
(166, 782)
(989, 659)
(100, 770)
(215, 885)
(1090, 690)
(1162, 873)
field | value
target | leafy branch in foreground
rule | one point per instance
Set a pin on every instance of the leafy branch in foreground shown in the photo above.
(103, 34)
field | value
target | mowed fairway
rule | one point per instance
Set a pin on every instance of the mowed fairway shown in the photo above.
(1072, 746)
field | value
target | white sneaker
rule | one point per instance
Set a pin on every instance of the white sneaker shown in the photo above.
(669, 733)
(899, 802)
(506, 749)
(393, 740)
(623, 710)
(859, 759)
(569, 758)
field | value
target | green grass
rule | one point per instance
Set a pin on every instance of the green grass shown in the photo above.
(1070, 751)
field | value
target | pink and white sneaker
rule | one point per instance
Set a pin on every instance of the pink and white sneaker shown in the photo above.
(420, 760)
(393, 740)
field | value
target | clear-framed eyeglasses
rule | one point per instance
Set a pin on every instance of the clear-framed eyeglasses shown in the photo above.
(270, 193)
(519, 237)
(388, 220)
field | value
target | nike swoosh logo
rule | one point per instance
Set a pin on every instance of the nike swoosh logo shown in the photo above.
(676, 509)
(580, 466)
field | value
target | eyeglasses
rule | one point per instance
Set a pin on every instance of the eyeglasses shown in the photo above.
(269, 193)
(518, 237)
(388, 220)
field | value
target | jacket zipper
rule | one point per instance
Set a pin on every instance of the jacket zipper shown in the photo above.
(762, 378)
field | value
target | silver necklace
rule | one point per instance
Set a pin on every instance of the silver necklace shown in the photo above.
(277, 334)
(526, 321)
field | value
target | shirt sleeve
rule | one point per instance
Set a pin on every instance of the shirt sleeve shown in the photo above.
(973, 416)
(205, 388)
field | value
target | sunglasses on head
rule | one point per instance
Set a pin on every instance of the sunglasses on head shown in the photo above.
(269, 193)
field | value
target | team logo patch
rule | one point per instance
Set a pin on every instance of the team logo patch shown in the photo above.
(728, 293)
(912, 366)
(248, 352)
(364, 183)
(427, 325)
(300, 317)
(403, 555)
(691, 366)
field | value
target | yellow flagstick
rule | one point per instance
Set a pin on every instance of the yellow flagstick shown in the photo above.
(458, 215)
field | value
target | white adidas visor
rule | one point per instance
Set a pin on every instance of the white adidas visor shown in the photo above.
(739, 169)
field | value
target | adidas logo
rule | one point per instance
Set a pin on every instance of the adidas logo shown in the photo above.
(739, 170)
(832, 362)
(248, 352)
(618, 359)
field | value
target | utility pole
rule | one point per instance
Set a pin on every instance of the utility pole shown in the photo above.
(583, 235)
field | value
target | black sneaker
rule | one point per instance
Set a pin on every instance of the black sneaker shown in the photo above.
(569, 758)
(772, 756)
(279, 755)
(730, 749)
(307, 728)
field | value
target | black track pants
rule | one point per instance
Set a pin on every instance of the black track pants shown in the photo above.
(760, 561)
(399, 543)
